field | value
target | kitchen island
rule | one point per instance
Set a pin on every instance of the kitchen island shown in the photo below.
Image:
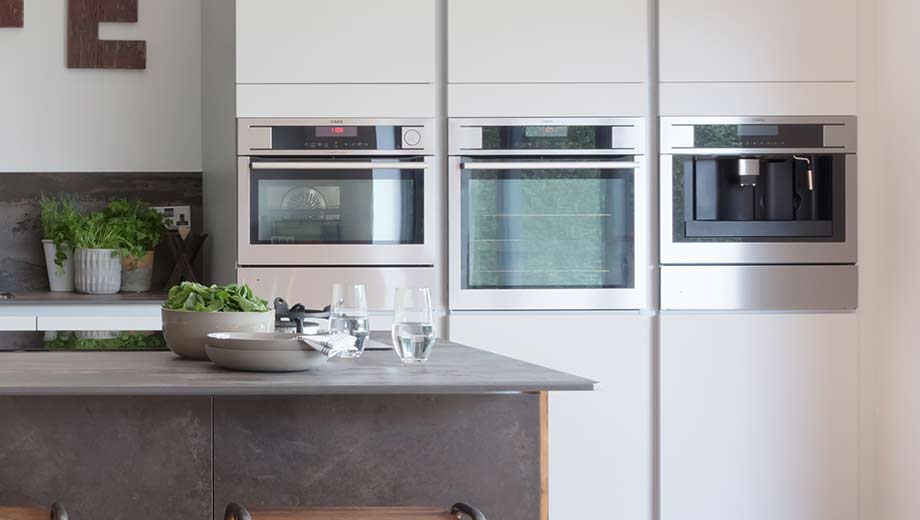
(119, 434)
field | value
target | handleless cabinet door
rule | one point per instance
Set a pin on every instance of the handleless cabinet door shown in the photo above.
(547, 41)
(16, 323)
(335, 41)
(758, 41)
(600, 442)
(759, 416)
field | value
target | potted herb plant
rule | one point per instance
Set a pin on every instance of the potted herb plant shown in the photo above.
(59, 219)
(141, 228)
(98, 246)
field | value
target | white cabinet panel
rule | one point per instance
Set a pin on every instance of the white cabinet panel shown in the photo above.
(547, 41)
(759, 417)
(547, 100)
(600, 444)
(775, 99)
(101, 322)
(335, 101)
(754, 40)
(335, 41)
(17, 323)
(138, 316)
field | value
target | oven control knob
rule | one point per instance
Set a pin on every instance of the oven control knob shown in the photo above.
(411, 138)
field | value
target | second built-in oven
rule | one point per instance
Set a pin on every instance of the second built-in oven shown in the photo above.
(548, 214)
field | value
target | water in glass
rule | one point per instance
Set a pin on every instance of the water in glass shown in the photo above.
(413, 341)
(413, 331)
(354, 325)
(349, 314)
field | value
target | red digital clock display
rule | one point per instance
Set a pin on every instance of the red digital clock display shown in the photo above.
(336, 131)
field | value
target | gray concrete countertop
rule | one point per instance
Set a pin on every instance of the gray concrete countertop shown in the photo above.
(72, 298)
(452, 369)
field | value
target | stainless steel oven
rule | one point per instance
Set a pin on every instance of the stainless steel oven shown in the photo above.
(758, 213)
(548, 214)
(326, 200)
(337, 192)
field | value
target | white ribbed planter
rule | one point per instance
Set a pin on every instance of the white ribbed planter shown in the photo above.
(96, 271)
(60, 279)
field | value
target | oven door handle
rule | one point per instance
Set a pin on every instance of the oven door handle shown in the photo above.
(551, 165)
(337, 165)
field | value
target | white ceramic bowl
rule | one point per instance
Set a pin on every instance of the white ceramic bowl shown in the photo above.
(259, 340)
(268, 360)
(186, 332)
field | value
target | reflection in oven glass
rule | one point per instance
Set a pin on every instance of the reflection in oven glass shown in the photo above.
(294, 211)
(344, 210)
(548, 229)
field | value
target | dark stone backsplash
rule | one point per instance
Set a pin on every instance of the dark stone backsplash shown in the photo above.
(22, 259)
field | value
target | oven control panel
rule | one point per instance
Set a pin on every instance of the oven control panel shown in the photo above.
(335, 136)
(412, 138)
(542, 136)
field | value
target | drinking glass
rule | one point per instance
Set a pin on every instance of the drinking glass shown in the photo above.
(348, 313)
(413, 331)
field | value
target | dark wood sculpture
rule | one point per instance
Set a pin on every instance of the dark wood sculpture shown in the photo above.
(11, 13)
(84, 48)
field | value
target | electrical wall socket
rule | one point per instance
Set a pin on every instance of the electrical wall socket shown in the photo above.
(178, 214)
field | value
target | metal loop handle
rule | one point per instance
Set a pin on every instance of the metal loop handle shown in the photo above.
(551, 165)
(236, 512)
(58, 512)
(467, 510)
(338, 165)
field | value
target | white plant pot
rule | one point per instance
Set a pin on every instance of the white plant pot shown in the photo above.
(96, 271)
(60, 279)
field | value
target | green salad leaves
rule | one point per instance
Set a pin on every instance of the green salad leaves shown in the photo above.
(190, 296)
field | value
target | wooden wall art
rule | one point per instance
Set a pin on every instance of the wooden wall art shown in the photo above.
(84, 48)
(11, 13)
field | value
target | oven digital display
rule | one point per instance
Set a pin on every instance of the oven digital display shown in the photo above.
(336, 131)
(546, 131)
(758, 130)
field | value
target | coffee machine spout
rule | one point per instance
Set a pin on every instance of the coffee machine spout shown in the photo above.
(748, 171)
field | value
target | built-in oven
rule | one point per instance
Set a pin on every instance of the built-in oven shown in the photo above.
(337, 199)
(758, 213)
(548, 214)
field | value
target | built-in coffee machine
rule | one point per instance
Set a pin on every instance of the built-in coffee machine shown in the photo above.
(758, 213)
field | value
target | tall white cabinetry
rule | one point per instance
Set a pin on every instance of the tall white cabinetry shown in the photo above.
(756, 41)
(742, 57)
(759, 413)
(759, 417)
(332, 58)
(600, 443)
(331, 41)
(535, 58)
(578, 58)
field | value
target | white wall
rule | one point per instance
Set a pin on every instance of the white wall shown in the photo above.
(895, 327)
(57, 119)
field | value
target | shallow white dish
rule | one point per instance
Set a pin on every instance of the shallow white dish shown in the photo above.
(258, 340)
(266, 360)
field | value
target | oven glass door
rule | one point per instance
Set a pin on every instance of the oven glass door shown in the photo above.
(559, 224)
(337, 202)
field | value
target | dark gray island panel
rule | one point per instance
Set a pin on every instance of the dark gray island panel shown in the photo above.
(108, 458)
(120, 435)
(390, 450)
